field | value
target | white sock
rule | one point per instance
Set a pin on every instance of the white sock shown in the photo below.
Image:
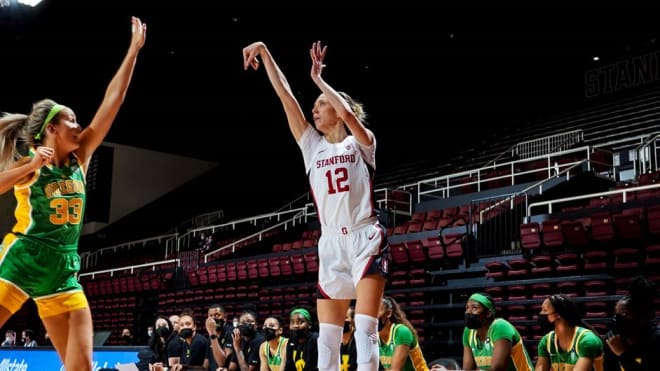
(328, 346)
(366, 342)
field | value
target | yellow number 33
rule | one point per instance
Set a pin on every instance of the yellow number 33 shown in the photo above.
(66, 210)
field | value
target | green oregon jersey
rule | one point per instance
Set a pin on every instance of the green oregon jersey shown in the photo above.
(584, 344)
(275, 360)
(402, 335)
(51, 204)
(483, 351)
(40, 255)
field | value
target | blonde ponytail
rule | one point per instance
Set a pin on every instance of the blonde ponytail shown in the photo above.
(12, 127)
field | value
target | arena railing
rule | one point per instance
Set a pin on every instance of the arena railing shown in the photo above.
(91, 258)
(445, 186)
(550, 204)
(130, 269)
(297, 216)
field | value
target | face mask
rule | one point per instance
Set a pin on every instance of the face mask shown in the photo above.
(150, 332)
(472, 321)
(347, 327)
(546, 325)
(269, 333)
(186, 333)
(163, 331)
(235, 323)
(23, 340)
(298, 334)
(126, 337)
(219, 324)
(624, 326)
(247, 330)
(9, 339)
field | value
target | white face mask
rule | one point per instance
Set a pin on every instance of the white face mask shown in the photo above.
(9, 339)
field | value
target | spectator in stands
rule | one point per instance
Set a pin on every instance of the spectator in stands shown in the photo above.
(348, 351)
(27, 338)
(10, 338)
(273, 350)
(397, 339)
(195, 348)
(205, 241)
(302, 348)
(568, 342)
(127, 337)
(220, 337)
(174, 319)
(339, 156)
(158, 343)
(634, 342)
(246, 341)
(491, 343)
(39, 256)
(150, 332)
(175, 343)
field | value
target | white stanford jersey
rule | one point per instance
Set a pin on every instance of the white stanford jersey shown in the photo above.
(340, 176)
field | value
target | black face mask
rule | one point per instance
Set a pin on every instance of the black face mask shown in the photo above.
(247, 330)
(186, 333)
(126, 337)
(472, 321)
(219, 324)
(546, 325)
(163, 331)
(625, 327)
(296, 335)
(269, 333)
(347, 327)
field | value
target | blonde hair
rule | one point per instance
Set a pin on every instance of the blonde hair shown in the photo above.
(356, 106)
(17, 131)
(12, 133)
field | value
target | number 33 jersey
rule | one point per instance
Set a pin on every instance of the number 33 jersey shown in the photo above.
(50, 205)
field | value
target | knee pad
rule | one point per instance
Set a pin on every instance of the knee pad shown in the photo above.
(328, 346)
(366, 339)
